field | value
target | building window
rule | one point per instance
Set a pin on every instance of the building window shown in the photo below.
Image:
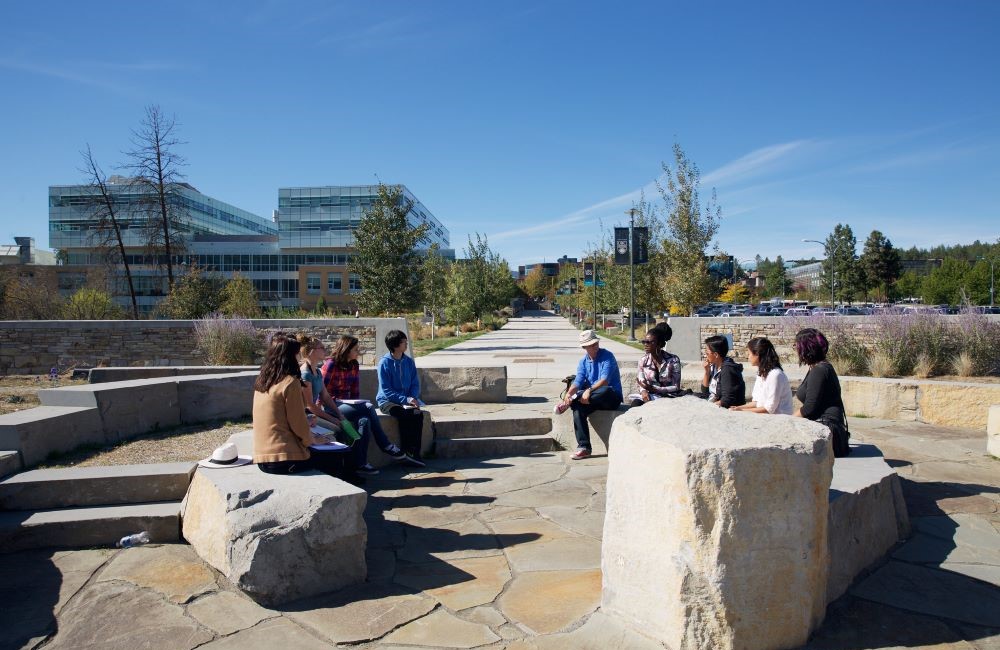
(312, 283)
(354, 283)
(334, 283)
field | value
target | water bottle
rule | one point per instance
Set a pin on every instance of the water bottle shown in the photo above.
(134, 540)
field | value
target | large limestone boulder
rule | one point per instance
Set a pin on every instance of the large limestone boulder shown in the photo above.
(277, 538)
(715, 535)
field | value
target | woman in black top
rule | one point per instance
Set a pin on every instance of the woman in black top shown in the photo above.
(819, 391)
(723, 380)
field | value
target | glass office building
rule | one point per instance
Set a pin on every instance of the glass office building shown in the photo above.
(293, 261)
(325, 217)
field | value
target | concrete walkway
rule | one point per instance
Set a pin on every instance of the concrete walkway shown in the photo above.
(505, 553)
(538, 346)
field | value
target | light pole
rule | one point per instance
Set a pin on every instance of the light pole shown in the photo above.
(990, 260)
(833, 268)
(631, 274)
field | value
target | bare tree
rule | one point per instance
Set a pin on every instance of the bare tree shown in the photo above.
(107, 233)
(156, 170)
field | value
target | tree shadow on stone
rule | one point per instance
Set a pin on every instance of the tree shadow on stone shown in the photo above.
(29, 591)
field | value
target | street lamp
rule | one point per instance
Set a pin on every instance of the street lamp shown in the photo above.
(990, 260)
(833, 268)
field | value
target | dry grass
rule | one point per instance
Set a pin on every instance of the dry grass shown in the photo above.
(924, 367)
(963, 365)
(20, 392)
(882, 364)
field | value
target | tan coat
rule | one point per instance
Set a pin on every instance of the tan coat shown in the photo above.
(280, 428)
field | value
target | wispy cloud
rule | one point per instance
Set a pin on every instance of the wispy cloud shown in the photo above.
(754, 163)
(74, 72)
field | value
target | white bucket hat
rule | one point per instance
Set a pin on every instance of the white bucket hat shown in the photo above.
(225, 456)
(588, 338)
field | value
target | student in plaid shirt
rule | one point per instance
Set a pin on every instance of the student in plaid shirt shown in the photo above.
(341, 376)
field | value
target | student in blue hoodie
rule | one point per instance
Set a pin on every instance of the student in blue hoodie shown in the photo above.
(399, 392)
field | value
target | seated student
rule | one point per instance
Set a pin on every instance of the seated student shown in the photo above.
(819, 391)
(281, 433)
(399, 392)
(597, 386)
(723, 381)
(659, 372)
(342, 381)
(771, 391)
(316, 396)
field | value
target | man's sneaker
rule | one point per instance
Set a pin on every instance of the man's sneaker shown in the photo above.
(395, 452)
(416, 462)
(367, 470)
(560, 408)
(580, 454)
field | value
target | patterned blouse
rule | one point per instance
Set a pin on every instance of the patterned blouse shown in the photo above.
(342, 383)
(658, 380)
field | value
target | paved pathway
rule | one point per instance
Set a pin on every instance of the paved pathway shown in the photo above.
(505, 553)
(540, 345)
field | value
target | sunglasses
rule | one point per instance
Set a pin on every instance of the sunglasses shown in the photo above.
(648, 342)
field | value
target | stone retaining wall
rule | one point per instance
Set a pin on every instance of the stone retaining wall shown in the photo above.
(34, 347)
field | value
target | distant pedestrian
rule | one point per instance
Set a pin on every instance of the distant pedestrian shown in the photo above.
(596, 387)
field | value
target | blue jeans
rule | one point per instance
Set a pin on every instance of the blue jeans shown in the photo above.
(603, 399)
(365, 420)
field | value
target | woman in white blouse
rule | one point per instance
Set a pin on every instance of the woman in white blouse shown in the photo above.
(771, 392)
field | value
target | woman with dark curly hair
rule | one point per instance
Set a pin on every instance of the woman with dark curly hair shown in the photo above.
(659, 372)
(819, 391)
(771, 392)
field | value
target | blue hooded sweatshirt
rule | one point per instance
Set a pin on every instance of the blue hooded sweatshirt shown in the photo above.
(397, 380)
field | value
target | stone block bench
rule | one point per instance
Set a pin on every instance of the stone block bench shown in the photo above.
(600, 429)
(277, 538)
(993, 431)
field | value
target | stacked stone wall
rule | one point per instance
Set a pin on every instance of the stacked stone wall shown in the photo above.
(780, 332)
(34, 347)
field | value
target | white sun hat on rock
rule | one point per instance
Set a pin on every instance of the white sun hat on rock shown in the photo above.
(225, 456)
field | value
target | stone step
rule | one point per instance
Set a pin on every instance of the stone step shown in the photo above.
(42, 489)
(82, 527)
(491, 425)
(498, 446)
(39, 432)
(10, 462)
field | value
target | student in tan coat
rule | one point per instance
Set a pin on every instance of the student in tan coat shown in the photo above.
(281, 433)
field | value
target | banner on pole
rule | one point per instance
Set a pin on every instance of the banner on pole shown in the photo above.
(588, 274)
(640, 245)
(621, 246)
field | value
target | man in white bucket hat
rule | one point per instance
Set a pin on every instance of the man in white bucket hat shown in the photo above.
(597, 387)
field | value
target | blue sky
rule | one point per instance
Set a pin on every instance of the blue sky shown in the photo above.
(533, 123)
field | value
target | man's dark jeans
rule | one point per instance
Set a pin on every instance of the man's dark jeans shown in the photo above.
(603, 399)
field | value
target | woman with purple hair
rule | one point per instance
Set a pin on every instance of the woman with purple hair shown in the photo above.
(819, 391)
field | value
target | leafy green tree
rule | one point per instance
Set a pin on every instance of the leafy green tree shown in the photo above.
(193, 296)
(321, 307)
(880, 262)
(535, 283)
(947, 284)
(909, 285)
(690, 230)
(91, 304)
(386, 257)
(478, 284)
(239, 298)
(840, 266)
(435, 283)
(734, 293)
(777, 284)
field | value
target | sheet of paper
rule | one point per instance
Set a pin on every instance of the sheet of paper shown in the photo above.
(330, 446)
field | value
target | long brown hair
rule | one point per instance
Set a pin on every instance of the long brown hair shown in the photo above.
(342, 351)
(280, 361)
(767, 356)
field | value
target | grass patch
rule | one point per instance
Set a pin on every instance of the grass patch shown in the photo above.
(423, 347)
(615, 335)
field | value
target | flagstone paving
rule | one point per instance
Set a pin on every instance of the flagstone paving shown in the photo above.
(505, 553)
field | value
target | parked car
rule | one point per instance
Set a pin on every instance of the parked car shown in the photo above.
(797, 311)
(824, 312)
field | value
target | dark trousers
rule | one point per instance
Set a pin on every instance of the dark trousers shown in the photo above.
(335, 463)
(603, 399)
(411, 427)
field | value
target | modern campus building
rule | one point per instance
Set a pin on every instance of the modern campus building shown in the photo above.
(293, 259)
